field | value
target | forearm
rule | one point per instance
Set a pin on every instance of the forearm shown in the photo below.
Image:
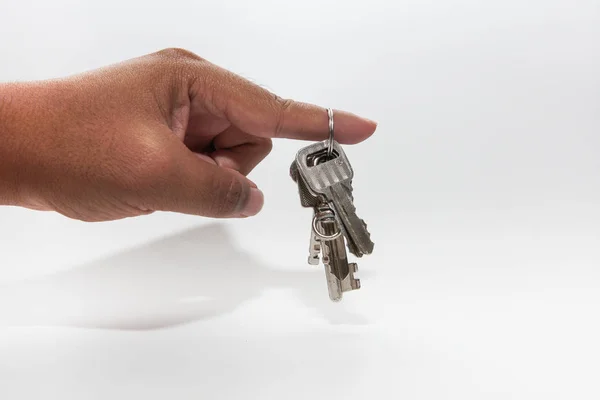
(9, 171)
(22, 116)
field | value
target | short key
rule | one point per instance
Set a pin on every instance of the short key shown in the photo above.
(307, 199)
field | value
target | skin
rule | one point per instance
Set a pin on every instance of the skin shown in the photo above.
(168, 131)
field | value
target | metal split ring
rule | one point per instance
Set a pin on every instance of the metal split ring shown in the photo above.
(330, 142)
(321, 235)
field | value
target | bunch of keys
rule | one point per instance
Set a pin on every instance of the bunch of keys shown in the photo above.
(324, 178)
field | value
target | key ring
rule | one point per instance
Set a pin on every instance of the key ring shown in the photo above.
(330, 142)
(321, 235)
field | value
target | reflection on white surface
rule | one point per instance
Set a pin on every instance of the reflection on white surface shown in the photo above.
(476, 312)
(190, 276)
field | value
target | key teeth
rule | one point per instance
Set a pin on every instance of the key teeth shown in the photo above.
(354, 282)
(366, 227)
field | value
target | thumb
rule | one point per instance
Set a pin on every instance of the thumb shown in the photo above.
(198, 187)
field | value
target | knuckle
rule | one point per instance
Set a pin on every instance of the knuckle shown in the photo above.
(281, 106)
(230, 193)
(178, 54)
(177, 67)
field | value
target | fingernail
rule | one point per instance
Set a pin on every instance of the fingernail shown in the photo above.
(255, 203)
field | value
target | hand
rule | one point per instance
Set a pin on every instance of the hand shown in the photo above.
(168, 131)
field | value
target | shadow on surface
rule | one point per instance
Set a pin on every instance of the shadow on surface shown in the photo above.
(194, 275)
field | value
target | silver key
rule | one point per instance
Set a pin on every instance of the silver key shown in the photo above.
(330, 180)
(339, 273)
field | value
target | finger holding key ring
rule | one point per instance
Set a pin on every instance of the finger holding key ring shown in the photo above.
(331, 126)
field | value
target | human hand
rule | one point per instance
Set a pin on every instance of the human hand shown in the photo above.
(168, 131)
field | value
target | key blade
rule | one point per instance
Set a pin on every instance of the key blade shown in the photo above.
(354, 228)
(339, 273)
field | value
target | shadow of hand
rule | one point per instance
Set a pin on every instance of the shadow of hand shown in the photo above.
(194, 275)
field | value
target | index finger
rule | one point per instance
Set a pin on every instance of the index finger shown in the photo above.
(259, 112)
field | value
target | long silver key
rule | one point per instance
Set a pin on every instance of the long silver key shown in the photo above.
(331, 181)
(326, 238)
(339, 273)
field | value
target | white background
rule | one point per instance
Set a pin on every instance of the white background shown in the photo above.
(481, 188)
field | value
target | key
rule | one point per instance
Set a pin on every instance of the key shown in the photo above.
(307, 199)
(339, 273)
(330, 180)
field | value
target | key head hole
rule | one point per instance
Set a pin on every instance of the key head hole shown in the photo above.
(320, 157)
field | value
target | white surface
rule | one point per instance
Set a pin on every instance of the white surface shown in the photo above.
(481, 189)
